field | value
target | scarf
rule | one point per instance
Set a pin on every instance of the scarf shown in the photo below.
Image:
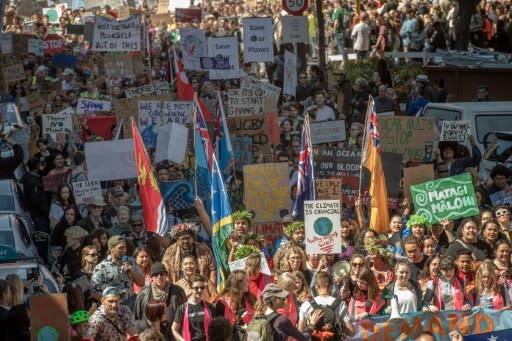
(158, 294)
(186, 322)
(458, 294)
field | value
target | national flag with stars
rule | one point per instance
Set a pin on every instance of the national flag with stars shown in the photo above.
(155, 215)
(222, 142)
(306, 179)
(222, 224)
(202, 131)
(379, 214)
(502, 335)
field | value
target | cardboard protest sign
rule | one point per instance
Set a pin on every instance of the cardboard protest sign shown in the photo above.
(154, 89)
(455, 131)
(110, 160)
(163, 6)
(120, 36)
(328, 189)
(451, 198)
(91, 106)
(328, 131)
(243, 102)
(12, 73)
(503, 197)
(226, 47)
(406, 135)
(242, 151)
(21, 137)
(290, 73)
(52, 182)
(176, 111)
(35, 100)
(84, 191)
(36, 46)
(416, 175)
(188, 15)
(149, 121)
(193, 47)
(123, 65)
(323, 226)
(249, 82)
(49, 317)
(171, 142)
(239, 264)
(262, 130)
(57, 123)
(258, 40)
(6, 43)
(295, 29)
(267, 190)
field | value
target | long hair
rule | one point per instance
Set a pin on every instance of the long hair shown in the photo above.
(85, 251)
(75, 296)
(290, 251)
(304, 292)
(16, 286)
(286, 281)
(233, 290)
(368, 276)
(58, 196)
(253, 264)
(488, 269)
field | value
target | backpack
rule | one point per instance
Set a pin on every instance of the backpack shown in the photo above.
(329, 321)
(260, 328)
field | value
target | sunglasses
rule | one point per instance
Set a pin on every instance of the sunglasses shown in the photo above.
(137, 225)
(357, 264)
(198, 288)
(162, 274)
(501, 213)
(92, 254)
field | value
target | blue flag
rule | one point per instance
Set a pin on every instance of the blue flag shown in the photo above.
(502, 335)
(222, 224)
(222, 143)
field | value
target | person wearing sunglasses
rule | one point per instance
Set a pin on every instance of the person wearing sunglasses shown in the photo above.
(161, 290)
(192, 318)
(502, 214)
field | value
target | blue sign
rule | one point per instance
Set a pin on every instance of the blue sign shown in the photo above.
(216, 63)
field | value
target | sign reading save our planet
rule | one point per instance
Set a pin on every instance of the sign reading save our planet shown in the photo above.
(451, 198)
(322, 219)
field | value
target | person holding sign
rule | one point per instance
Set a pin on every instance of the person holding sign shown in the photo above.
(450, 154)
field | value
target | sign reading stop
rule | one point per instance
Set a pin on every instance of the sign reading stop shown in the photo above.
(295, 7)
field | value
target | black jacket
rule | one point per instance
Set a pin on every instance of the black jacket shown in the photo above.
(36, 199)
(9, 164)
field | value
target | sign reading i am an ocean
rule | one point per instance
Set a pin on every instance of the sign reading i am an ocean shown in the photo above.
(451, 198)
(117, 36)
(322, 219)
(258, 40)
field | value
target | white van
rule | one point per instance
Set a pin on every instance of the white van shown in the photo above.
(484, 118)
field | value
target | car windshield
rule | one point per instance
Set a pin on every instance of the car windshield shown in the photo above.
(7, 238)
(443, 114)
(500, 148)
(488, 123)
(7, 203)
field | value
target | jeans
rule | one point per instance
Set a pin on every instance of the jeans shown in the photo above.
(340, 44)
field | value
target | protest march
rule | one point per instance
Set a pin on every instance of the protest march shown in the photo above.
(252, 171)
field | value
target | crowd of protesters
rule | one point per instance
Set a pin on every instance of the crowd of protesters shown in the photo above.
(121, 281)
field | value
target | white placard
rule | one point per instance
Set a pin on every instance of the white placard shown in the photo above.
(193, 47)
(84, 191)
(226, 47)
(295, 29)
(178, 4)
(122, 36)
(57, 123)
(36, 46)
(258, 40)
(328, 131)
(322, 219)
(88, 105)
(110, 160)
(240, 265)
(171, 142)
(21, 137)
(176, 111)
(67, 111)
(290, 73)
(269, 90)
(456, 131)
(157, 89)
(6, 43)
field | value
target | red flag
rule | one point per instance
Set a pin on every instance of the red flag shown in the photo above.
(185, 89)
(155, 216)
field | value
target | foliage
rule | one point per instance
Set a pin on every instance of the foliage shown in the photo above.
(245, 251)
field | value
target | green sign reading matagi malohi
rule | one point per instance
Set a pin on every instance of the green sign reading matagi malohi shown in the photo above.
(450, 198)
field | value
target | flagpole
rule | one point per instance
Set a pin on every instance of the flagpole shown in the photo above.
(195, 152)
(365, 131)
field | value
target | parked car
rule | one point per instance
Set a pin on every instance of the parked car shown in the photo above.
(498, 150)
(11, 201)
(15, 233)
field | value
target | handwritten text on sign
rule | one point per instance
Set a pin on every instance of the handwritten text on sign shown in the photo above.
(89, 106)
(455, 131)
(161, 88)
(84, 191)
(57, 123)
(451, 198)
(110, 35)
(258, 40)
(267, 190)
(406, 135)
(322, 219)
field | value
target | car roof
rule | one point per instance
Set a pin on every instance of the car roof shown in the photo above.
(477, 106)
(6, 221)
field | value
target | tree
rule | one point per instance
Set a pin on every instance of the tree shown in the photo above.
(466, 8)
